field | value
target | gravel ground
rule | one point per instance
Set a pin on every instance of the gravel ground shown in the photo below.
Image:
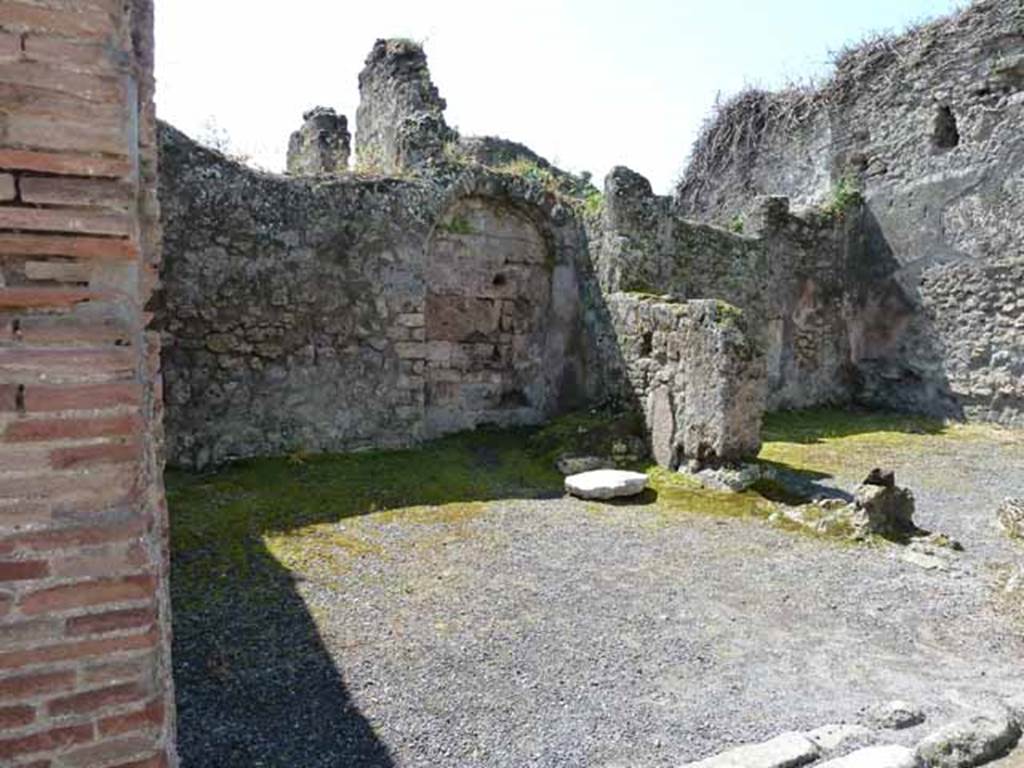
(556, 632)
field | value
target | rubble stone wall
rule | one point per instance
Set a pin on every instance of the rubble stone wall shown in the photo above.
(787, 273)
(926, 126)
(352, 312)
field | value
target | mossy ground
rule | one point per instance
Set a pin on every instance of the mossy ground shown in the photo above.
(846, 445)
(237, 529)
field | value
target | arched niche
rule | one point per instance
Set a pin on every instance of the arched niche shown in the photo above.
(488, 317)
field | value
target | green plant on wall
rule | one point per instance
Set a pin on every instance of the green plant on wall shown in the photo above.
(846, 195)
(457, 225)
(736, 224)
(531, 171)
(456, 154)
(593, 203)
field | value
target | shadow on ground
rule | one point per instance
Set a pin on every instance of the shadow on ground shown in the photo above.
(255, 683)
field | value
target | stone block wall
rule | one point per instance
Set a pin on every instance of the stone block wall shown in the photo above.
(353, 312)
(697, 374)
(496, 313)
(84, 611)
(926, 126)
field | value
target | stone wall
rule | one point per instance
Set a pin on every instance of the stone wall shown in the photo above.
(352, 312)
(697, 373)
(84, 612)
(927, 127)
(788, 273)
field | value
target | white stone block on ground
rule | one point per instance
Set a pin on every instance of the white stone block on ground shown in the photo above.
(875, 757)
(788, 750)
(836, 736)
(972, 741)
(606, 484)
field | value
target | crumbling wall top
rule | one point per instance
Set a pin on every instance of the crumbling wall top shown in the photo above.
(322, 145)
(400, 121)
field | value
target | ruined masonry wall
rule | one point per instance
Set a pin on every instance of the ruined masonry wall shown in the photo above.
(84, 611)
(787, 273)
(347, 313)
(927, 126)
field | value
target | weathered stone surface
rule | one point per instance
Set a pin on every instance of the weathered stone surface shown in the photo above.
(699, 377)
(879, 476)
(972, 741)
(1011, 517)
(786, 275)
(839, 736)
(345, 313)
(788, 750)
(940, 215)
(876, 757)
(924, 560)
(321, 146)
(895, 715)
(400, 121)
(735, 478)
(606, 484)
(1015, 708)
(885, 510)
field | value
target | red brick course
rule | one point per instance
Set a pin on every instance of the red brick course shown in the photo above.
(86, 593)
(45, 741)
(28, 686)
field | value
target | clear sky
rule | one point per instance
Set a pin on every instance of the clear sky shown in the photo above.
(587, 83)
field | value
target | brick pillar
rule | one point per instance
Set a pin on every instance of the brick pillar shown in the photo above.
(84, 610)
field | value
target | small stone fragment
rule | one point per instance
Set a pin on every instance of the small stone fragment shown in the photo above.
(895, 715)
(883, 477)
(606, 484)
(972, 741)
(735, 478)
(924, 560)
(876, 757)
(885, 510)
(321, 145)
(1011, 517)
(788, 750)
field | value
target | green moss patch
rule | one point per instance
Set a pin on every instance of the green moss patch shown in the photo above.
(233, 530)
(241, 532)
(847, 444)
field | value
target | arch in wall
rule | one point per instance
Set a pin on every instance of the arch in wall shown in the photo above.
(495, 343)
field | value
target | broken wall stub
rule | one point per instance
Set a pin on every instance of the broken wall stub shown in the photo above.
(926, 126)
(84, 606)
(343, 313)
(321, 146)
(400, 121)
(698, 375)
